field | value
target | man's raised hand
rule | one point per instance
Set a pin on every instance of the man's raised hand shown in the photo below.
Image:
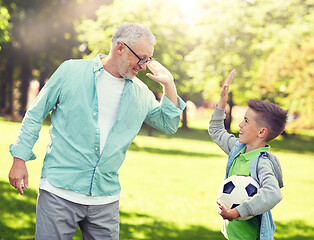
(160, 73)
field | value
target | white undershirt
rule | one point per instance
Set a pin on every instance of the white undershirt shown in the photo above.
(109, 92)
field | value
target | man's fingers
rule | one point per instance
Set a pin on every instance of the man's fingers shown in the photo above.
(18, 176)
(11, 182)
(21, 191)
(26, 182)
(19, 187)
(151, 76)
(152, 66)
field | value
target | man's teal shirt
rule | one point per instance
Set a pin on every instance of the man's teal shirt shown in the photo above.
(73, 159)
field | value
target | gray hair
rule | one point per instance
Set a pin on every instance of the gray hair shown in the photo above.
(131, 33)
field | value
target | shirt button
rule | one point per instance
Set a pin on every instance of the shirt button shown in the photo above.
(97, 168)
(95, 114)
(97, 130)
(96, 149)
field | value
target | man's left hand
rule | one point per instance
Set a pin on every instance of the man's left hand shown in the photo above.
(160, 73)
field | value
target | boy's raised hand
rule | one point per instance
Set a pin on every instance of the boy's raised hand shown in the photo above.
(225, 89)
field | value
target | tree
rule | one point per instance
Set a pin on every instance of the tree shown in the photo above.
(288, 77)
(4, 24)
(42, 35)
(242, 34)
(173, 43)
(4, 37)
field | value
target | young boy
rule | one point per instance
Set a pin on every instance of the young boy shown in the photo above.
(249, 156)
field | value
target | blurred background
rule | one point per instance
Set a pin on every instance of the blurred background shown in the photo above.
(269, 43)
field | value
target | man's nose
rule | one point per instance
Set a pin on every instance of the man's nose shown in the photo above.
(143, 66)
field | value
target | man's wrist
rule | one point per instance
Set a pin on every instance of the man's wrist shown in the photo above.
(18, 160)
(168, 84)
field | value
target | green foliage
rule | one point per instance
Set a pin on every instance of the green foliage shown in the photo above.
(202, 46)
(241, 34)
(199, 45)
(4, 25)
(173, 41)
(287, 77)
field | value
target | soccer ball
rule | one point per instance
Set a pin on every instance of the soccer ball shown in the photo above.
(235, 190)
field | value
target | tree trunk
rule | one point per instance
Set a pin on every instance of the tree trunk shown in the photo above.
(6, 80)
(228, 118)
(3, 89)
(42, 78)
(6, 88)
(9, 89)
(184, 119)
(26, 74)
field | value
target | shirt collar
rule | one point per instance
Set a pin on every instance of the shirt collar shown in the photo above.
(98, 64)
(250, 155)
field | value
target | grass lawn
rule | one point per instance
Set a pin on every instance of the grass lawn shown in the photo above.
(169, 186)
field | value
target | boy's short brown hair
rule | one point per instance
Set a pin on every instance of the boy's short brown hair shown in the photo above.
(269, 115)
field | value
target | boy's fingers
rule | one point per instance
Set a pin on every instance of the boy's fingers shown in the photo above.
(224, 90)
(226, 87)
(230, 77)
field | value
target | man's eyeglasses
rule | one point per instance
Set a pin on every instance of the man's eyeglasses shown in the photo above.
(141, 61)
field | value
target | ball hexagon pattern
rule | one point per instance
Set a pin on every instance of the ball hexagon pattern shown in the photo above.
(237, 189)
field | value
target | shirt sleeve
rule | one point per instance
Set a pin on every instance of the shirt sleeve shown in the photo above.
(165, 116)
(46, 100)
(269, 194)
(218, 132)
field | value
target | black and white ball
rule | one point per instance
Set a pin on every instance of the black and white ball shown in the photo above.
(235, 190)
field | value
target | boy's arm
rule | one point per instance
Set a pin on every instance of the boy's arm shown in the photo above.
(269, 194)
(216, 128)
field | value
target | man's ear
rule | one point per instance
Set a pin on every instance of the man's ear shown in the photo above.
(119, 48)
(263, 132)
